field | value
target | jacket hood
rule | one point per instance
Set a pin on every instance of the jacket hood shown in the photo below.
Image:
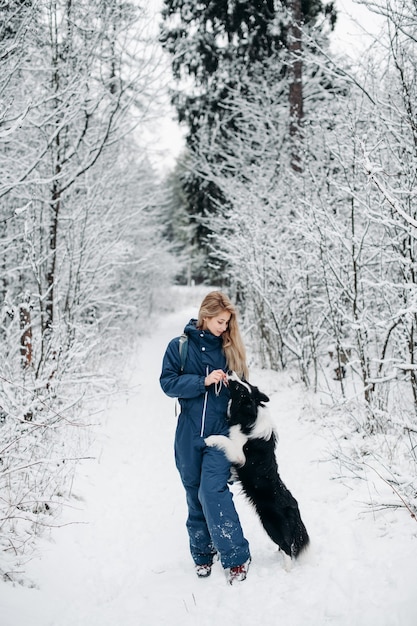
(191, 326)
(193, 332)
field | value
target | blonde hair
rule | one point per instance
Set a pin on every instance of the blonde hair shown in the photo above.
(213, 304)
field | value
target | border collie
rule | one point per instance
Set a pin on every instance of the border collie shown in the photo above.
(250, 446)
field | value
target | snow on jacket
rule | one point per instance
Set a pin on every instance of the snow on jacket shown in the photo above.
(204, 408)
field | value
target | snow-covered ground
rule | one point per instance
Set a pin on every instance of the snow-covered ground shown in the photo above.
(125, 561)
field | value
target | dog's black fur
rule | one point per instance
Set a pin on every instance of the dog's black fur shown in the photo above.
(251, 433)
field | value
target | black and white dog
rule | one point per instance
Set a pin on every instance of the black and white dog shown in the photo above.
(250, 446)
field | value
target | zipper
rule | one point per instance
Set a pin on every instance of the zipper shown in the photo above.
(217, 389)
(203, 416)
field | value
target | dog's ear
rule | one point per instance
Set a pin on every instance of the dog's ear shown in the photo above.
(260, 397)
(263, 397)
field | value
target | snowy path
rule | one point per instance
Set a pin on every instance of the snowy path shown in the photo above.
(127, 563)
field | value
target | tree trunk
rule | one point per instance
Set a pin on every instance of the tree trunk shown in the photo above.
(296, 78)
(26, 336)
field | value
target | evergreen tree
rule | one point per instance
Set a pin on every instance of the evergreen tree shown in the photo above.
(213, 45)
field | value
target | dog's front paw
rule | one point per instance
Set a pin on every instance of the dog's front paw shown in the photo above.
(234, 453)
(211, 441)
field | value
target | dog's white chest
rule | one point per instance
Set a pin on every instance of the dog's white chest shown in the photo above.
(262, 428)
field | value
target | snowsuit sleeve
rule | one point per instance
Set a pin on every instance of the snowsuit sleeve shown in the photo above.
(174, 383)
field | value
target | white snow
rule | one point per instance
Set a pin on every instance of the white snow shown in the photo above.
(125, 560)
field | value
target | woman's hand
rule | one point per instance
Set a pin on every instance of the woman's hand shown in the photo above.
(215, 377)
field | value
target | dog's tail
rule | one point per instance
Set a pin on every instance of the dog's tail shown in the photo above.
(300, 538)
(296, 537)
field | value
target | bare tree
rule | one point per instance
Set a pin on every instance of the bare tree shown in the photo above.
(81, 249)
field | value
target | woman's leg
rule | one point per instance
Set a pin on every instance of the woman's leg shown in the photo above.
(201, 545)
(188, 458)
(219, 510)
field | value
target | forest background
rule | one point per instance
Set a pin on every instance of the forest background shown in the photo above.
(295, 192)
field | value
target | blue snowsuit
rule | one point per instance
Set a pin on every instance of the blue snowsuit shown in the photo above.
(213, 524)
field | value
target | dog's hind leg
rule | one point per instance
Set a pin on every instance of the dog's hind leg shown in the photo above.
(287, 560)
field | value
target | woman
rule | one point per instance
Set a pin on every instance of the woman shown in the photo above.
(214, 346)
